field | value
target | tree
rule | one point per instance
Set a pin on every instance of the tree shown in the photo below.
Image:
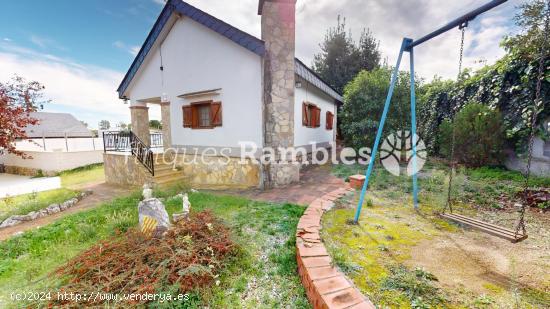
(104, 125)
(369, 49)
(509, 86)
(479, 136)
(84, 123)
(18, 98)
(364, 99)
(530, 19)
(122, 125)
(339, 60)
(155, 124)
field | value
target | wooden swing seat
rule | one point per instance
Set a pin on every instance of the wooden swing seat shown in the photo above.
(485, 227)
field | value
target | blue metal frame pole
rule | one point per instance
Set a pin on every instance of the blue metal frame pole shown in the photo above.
(413, 132)
(404, 44)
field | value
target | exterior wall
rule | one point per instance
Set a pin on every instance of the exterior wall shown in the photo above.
(540, 164)
(220, 173)
(49, 162)
(195, 58)
(121, 169)
(304, 135)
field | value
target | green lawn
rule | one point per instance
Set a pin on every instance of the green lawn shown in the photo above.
(377, 253)
(71, 181)
(23, 204)
(262, 275)
(82, 175)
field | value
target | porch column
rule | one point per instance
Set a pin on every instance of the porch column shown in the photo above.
(140, 122)
(165, 119)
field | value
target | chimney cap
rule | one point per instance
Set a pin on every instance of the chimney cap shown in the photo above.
(261, 4)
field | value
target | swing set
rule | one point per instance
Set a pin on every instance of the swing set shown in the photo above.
(408, 45)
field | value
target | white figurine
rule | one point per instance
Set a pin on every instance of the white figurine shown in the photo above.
(147, 192)
(186, 205)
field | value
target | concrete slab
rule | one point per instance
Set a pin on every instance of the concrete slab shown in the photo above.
(12, 185)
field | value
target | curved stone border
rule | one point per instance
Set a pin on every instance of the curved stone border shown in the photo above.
(44, 212)
(326, 286)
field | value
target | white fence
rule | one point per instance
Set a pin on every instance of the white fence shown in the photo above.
(61, 144)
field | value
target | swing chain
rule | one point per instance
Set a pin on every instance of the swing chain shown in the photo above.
(452, 155)
(533, 122)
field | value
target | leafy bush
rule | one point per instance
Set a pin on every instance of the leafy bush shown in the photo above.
(478, 134)
(364, 99)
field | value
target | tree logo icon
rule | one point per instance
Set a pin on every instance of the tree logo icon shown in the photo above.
(396, 153)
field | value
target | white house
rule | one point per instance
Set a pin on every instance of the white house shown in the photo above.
(220, 88)
(56, 143)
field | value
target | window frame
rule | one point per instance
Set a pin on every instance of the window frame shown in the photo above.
(193, 112)
(313, 112)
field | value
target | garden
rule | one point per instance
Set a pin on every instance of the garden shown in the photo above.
(400, 257)
(250, 263)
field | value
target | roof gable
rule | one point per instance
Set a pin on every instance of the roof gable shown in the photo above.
(240, 37)
(56, 125)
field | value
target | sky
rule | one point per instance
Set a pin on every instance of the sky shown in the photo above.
(80, 50)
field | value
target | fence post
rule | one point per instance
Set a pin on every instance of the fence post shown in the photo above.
(66, 143)
(43, 141)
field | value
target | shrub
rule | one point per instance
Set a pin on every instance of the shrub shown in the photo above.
(479, 136)
(364, 99)
(188, 257)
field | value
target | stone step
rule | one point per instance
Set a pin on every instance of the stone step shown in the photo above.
(167, 175)
(163, 168)
(169, 180)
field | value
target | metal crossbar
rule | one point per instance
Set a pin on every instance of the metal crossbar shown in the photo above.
(408, 46)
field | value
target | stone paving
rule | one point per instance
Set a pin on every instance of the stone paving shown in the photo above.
(314, 182)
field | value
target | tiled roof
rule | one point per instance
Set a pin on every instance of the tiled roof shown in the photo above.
(56, 125)
(242, 38)
(306, 73)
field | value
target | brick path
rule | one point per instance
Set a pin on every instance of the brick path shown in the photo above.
(314, 182)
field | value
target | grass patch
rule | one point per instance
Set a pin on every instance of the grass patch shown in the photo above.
(82, 175)
(262, 274)
(25, 203)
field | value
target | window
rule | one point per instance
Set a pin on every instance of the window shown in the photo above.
(311, 115)
(330, 120)
(202, 115)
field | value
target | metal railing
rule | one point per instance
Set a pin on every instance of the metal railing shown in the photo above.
(127, 141)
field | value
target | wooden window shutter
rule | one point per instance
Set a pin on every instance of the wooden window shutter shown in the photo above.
(187, 117)
(216, 114)
(330, 120)
(317, 122)
(305, 120)
(194, 117)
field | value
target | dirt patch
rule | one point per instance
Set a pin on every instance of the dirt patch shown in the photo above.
(478, 263)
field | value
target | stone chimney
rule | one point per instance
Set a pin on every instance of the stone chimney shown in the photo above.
(278, 33)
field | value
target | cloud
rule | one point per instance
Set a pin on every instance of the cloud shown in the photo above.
(69, 85)
(161, 2)
(133, 50)
(6, 39)
(390, 21)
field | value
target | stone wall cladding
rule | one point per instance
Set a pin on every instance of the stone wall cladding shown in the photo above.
(166, 127)
(219, 172)
(326, 286)
(124, 170)
(28, 171)
(278, 32)
(140, 123)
